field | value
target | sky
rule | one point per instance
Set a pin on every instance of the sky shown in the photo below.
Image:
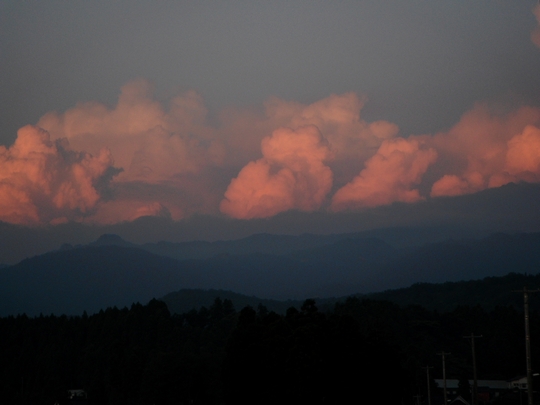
(250, 111)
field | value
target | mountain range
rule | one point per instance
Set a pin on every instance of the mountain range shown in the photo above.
(113, 272)
(511, 208)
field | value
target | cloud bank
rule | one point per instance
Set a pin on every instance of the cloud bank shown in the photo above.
(177, 161)
(144, 157)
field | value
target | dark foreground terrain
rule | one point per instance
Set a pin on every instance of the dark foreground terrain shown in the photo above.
(215, 355)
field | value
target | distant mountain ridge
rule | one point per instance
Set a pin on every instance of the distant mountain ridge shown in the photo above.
(489, 293)
(284, 244)
(111, 271)
(111, 239)
(510, 208)
(85, 279)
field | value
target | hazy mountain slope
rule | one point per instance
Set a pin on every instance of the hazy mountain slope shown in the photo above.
(93, 277)
(258, 243)
(489, 293)
(89, 278)
(510, 208)
(495, 255)
(287, 244)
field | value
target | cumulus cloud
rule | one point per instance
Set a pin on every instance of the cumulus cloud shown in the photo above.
(42, 181)
(487, 150)
(147, 141)
(389, 176)
(176, 161)
(523, 154)
(535, 35)
(154, 144)
(291, 175)
(163, 147)
(338, 117)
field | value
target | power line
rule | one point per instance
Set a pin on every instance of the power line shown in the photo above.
(443, 354)
(526, 293)
(475, 380)
(428, 387)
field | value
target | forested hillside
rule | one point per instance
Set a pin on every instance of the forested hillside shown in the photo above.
(489, 292)
(214, 355)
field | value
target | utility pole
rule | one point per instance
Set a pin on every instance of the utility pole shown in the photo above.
(475, 381)
(443, 354)
(526, 293)
(428, 387)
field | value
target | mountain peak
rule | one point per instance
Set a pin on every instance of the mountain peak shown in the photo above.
(109, 239)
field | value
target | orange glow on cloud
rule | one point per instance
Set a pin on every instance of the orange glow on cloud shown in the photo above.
(43, 181)
(161, 149)
(149, 143)
(291, 175)
(523, 155)
(338, 118)
(483, 151)
(143, 157)
(389, 176)
(171, 161)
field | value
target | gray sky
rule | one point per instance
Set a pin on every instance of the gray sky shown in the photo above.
(421, 66)
(421, 63)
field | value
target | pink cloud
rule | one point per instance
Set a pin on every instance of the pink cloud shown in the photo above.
(43, 181)
(176, 146)
(157, 146)
(486, 150)
(523, 155)
(146, 140)
(389, 176)
(176, 161)
(338, 118)
(291, 175)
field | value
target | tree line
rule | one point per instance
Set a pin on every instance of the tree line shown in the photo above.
(216, 355)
